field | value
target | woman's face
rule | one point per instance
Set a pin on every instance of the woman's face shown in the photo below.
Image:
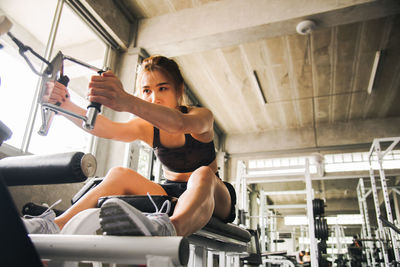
(157, 88)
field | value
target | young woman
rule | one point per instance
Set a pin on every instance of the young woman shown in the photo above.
(182, 139)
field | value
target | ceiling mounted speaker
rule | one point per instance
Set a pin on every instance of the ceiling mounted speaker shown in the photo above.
(305, 27)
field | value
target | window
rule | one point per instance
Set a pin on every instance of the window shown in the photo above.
(74, 38)
(358, 161)
(279, 166)
(18, 82)
(16, 94)
(341, 162)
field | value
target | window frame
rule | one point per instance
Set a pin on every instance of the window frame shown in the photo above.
(10, 150)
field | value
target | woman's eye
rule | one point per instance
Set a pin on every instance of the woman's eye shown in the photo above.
(146, 91)
(163, 88)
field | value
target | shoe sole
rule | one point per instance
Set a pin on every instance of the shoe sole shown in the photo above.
(119, 218)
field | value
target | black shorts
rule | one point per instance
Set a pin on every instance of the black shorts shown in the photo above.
(176, 189)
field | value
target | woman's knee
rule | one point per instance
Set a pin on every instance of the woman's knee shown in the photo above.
(203, 174)
(120, 173)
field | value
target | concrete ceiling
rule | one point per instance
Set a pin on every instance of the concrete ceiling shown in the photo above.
(315, 85)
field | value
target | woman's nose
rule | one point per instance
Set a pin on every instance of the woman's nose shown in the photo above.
(156, 98)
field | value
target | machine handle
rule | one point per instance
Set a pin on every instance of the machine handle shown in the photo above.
(47, 114)
(93, 109)
(95, 105)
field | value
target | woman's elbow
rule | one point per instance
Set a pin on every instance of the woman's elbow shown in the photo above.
(178, 126)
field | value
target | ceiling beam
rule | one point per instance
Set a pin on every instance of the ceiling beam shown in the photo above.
(109, 19)
(227, 23)
(339, 134)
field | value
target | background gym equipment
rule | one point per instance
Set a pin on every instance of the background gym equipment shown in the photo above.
(321, 229)
(242, 181)
(318, 207)
(377, 251)
(389, 224)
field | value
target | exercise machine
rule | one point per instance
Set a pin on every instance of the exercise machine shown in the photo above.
(382, 236)
(78, 240)
(243, 179)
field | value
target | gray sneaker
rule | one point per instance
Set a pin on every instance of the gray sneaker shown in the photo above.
(119, 218)
(42, 224)
(162, 224)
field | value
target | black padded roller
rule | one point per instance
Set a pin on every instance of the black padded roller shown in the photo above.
(43, 169)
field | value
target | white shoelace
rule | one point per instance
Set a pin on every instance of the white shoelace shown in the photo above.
(49, 208)
(166, 205)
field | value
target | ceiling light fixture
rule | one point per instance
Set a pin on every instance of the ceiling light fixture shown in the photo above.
(260, 91)
(374, 71)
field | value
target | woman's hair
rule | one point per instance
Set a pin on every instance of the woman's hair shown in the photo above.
(168, 67)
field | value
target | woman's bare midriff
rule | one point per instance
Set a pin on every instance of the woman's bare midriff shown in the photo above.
(184, 177)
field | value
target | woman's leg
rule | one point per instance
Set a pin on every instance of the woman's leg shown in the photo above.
(206, 195)
(118, 181)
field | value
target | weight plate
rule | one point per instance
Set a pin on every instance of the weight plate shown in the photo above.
(318, 207)
(325, 231)
(317, 227)
(88, 165)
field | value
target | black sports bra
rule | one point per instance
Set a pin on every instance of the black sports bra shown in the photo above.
(187, 158)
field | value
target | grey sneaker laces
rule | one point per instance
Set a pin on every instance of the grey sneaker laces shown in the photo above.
(166, 205)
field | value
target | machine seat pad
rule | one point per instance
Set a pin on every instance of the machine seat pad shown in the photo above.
(231, 230)
(215, 225)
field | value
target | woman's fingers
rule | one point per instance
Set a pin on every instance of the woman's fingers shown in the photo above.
(99, 99)
(99, 84)
(56, 93)
(107, 90)
(105, 87)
